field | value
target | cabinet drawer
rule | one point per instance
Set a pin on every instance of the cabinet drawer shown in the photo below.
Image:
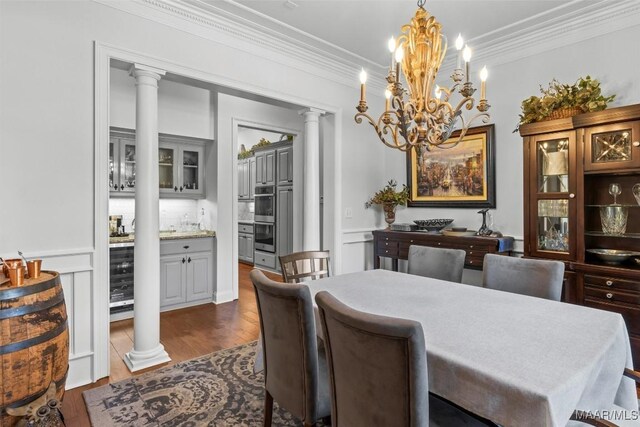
(612, 295)
(610, 283)
(388, 248)
(476, 260)
(245, 228)
(265, 259)
(179, 246)
(630, 314)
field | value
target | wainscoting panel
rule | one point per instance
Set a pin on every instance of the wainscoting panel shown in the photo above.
(76, 276)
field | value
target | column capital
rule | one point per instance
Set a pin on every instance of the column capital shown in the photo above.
(140, 70)
(311, 112)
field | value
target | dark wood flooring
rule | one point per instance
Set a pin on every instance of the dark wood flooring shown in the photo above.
(185, 334)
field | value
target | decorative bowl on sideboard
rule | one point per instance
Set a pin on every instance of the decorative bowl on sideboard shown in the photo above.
(432, 224)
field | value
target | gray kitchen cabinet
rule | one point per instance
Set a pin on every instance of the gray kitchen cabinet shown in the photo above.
(245, 242)
(198, 276)
(122, 164)
(251, 179)
(180, 164)
(284, 220)
(172, 290)
(285, 165)
(246, 178)
(186, 272)
(266, 168)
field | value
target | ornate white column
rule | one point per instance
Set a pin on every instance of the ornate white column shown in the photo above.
(311, 194)
(147, 350)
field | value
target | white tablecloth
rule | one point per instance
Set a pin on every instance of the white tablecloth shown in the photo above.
(517, 360)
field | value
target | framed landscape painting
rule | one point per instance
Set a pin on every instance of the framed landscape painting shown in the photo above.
(459, 177)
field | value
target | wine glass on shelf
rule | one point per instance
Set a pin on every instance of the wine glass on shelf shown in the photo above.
(615, 190)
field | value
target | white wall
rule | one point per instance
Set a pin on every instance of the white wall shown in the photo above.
(182, 109)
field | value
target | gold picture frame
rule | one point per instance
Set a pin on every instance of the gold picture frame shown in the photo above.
(459, 177)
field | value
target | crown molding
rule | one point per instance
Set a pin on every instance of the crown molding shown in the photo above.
(516, 41)
(558, 31)
(236, 32)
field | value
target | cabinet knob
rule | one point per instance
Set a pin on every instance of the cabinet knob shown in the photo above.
(470, 262)
(175, 188)
(410, 241)
(636, 143)
(189, 260)
(183, 260)
(122, 186)
(470, 253)
(470, 246)
(115, 186)
(572, 196)
(609, 282)
(439, 244)
(181, 188)
(609, 295)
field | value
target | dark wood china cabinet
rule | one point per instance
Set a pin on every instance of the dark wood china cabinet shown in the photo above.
(574, 169)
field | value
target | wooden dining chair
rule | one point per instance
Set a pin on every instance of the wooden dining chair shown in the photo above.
(295, 372)
(436, 263)
(616, 411)
(378, 371)
(304, 265)
(532, 277)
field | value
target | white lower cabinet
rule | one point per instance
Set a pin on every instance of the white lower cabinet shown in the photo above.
(186, 273)
(172, 290)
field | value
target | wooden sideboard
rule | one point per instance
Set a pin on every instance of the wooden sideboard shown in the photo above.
(395, 245)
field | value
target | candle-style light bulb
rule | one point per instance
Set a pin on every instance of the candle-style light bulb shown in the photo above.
(466, 55)
(363, 80)
(391, 44)
(387, 104)
(438, 92)
(459, 45)
(484, 73)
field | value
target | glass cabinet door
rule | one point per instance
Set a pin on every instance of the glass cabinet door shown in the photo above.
(612, 147)
(167, 163)
(128, 166)
(191, 159)
(553, 196)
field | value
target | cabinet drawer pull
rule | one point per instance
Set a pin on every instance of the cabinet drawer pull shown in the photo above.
(470, 262)
(386, 252)
(387, 244)
(609, 295)
(471, 253)
(122, 186)
(186, 247)
(439, 244)
(609, 283)
(636, 143)
(572, 196)
(175, 188)
(183, 260)
(189, 260)
(411, 241)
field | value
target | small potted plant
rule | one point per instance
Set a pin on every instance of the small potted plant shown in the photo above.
(562, 100)
(389, 198)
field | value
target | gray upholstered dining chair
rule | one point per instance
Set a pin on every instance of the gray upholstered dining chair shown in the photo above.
(304, 265)
(295, 372)
(437, 263)
(378, 371)
(533, 277)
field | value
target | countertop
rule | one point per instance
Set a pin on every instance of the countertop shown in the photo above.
(166, 235)
(246, 221)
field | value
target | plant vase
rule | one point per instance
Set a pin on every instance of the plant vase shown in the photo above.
(389, 213)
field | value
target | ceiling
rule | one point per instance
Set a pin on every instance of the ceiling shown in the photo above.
(361, 28)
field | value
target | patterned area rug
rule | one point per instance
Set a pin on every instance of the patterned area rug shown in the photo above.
(219, 389)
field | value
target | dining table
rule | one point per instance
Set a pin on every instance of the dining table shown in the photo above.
(513, 359)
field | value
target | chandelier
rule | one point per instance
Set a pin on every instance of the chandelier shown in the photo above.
(424, 115)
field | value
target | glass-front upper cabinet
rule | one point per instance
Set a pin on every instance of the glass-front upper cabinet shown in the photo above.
(192, 170)
(166, 168)
(612, 147)
(553, 201)
(122, 163)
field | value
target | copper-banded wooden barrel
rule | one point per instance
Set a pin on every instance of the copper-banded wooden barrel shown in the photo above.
(34, 342)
